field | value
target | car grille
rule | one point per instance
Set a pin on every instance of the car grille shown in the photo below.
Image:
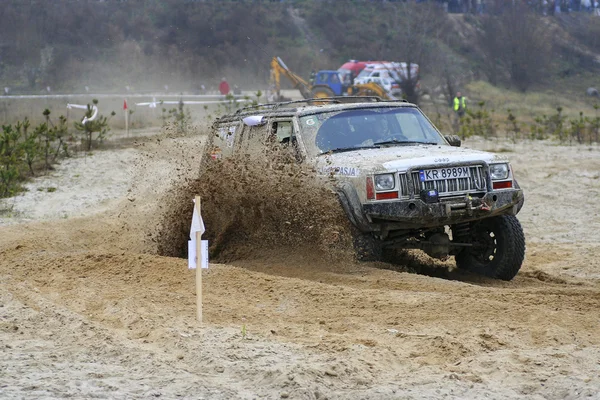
(445, 187)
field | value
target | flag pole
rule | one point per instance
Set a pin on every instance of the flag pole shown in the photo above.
(198, 265)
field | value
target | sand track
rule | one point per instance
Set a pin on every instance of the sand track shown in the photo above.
(90, 311)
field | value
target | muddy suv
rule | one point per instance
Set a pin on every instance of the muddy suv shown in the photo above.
(400, 181)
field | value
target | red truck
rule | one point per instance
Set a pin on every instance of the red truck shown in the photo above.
(352, 68)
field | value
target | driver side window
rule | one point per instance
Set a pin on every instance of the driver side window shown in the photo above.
(410, 126)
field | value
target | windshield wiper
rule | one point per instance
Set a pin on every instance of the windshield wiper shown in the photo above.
(343, 149)
(396, 141)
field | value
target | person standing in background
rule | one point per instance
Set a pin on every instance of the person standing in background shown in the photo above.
(460, 105)
(224, 87)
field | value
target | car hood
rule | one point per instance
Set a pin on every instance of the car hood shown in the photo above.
(400, 158)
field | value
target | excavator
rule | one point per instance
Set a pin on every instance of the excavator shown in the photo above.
(327, 83)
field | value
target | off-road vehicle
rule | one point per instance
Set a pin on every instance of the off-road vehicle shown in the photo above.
(400, 181)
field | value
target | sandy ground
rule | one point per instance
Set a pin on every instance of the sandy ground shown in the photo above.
(89, 310)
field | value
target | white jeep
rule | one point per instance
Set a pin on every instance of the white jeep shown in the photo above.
(400, 181)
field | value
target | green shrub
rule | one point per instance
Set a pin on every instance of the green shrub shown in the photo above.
(24, 151)
(98, 126)
(11, 155)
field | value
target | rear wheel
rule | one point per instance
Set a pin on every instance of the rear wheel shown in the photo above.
(498, 248)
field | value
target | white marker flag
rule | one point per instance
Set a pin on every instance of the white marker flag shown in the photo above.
(192, 254)
(197, 224)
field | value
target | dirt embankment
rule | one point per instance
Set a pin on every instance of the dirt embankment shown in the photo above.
(90, 310)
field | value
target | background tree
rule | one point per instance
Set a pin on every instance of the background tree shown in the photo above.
(47, 135)
(31, 148)
(515, 44)
(394, 31)
(414, 30)
(61, 133)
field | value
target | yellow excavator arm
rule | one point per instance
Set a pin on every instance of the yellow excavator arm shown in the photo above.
(279, 68)
(369, 89)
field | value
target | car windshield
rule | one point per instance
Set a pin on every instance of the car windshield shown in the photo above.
(364, 128)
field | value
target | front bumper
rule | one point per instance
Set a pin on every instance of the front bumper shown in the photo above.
(415, 213)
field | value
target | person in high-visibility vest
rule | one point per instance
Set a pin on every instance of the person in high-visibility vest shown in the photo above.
(460, 105)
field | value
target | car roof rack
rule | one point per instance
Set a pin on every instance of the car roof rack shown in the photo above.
(334, 100)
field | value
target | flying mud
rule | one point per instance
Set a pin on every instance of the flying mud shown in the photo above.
(263, 205)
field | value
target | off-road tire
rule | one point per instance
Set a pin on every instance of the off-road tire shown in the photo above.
(322, 91)
(499, 248)
(366, 246)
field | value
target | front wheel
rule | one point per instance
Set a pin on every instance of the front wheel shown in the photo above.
(498, 248)
(366, 246)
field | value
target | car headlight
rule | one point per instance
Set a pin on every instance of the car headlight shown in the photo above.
(384, 182)
(498, 171)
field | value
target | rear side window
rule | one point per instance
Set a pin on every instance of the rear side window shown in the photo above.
(282, 130)
(223, 139)
(282, 135)
(251, 137)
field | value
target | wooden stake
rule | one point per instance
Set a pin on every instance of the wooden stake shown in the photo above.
(198, 265)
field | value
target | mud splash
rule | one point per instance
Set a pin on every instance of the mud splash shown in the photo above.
(254, 204)
(264, 205)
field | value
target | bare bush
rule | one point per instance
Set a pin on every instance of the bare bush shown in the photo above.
(515, 44)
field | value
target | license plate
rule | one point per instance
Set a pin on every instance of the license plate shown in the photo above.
(444, 173)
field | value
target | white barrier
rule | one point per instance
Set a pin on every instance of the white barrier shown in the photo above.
(154, 103)
(84, 107)
(118, 95)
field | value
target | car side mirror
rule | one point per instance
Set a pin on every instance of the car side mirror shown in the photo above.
(453, 140)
